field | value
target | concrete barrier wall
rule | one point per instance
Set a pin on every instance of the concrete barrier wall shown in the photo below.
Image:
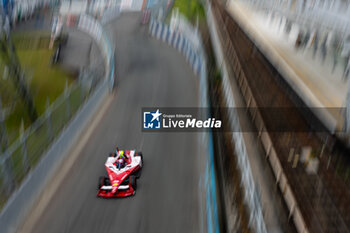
(249, 189)
(265, 139)
(300, 88)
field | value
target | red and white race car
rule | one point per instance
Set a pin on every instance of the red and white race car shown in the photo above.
(123, 168)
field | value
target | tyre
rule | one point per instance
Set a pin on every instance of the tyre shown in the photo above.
(133, 182)
(107, 181)
(137, 174)
(125, 182)
(101, 181)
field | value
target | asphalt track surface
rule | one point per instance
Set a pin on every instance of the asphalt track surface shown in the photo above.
(150, 73)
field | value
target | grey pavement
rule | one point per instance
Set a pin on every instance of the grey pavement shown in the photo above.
(149, 73)
(40, 21)
(81, 51)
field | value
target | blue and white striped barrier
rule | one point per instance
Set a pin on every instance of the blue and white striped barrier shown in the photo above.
(110, 14)
(178, 41)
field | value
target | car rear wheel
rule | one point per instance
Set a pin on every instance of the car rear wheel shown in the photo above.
(133, 182)
(101, 181)
(137, 174)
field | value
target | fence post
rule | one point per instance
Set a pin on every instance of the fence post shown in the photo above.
(23, 140)
(112, 75)
(66, 98)
(3, 134)
(48, 117)
(81, 85)
(347, 115)
(82, 91)
(6, 166)
(7, 171)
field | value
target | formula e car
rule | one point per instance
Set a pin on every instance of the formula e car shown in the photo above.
(122, 174)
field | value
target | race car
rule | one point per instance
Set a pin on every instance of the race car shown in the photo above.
(123, 169)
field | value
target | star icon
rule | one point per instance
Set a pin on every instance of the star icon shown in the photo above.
(156, 115)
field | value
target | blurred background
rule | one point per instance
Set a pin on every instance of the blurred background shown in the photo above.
(75, 74)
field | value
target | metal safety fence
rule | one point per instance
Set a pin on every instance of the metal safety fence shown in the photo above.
(298, 188)
(251, 193)
(20, 158)
(26, 151)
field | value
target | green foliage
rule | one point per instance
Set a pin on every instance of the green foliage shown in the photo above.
(191, 9)
(48, 81)
(45, 81)
(217, 77)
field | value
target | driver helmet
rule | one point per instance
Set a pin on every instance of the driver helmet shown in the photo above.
(122, 154)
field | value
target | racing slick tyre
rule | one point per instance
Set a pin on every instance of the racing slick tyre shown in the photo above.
(133, 182)
(102, 180)
(137, 174)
